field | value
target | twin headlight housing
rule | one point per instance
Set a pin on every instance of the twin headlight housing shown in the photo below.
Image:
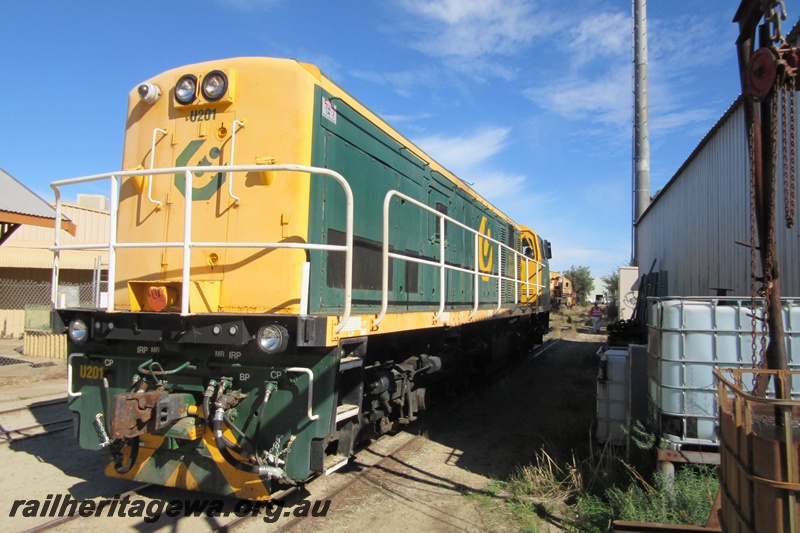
(213, 87)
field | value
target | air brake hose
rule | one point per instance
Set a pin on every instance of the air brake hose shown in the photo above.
(222, 444)
(207, 413)
(269, 388)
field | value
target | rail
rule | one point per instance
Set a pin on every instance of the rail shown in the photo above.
(443, 267)
(187, 243)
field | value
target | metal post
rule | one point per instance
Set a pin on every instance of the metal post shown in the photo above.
(641, 147)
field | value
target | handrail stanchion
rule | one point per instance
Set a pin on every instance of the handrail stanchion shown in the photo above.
(516, 277)
(187, 241)
(348, 254)
(385, 260)
(56, 252)
(476, 277)
(112, 241)
(442, 272)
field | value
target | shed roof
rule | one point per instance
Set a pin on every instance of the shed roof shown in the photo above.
(19, 205)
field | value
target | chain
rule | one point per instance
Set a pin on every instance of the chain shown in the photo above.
(275, 453)
(753, 272)
(770, 216)
(774, 13)
(785, 97)
(286, 450)
(789, 167)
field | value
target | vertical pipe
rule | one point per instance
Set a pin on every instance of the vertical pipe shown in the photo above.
(641, 146)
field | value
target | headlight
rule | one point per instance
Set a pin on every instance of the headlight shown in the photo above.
(149, 93)
(185, 89)
(272, 338)
(215, 84)
(78, 331)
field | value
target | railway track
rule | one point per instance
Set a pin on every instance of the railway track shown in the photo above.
(15, 423)
(286, 500)
(77, 516)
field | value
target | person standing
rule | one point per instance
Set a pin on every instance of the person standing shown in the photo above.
(596, 312)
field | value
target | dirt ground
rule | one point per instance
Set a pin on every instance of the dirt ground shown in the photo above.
(437, 481)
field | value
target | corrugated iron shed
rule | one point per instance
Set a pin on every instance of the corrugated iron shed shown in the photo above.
(21, 206)
(691, 232)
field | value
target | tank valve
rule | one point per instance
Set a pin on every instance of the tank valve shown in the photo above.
(101, 431)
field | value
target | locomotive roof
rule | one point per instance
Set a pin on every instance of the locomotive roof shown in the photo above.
(332, 86)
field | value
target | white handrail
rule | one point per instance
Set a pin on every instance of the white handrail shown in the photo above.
(236, 199)
(186, 244)
(112, 241)
(442, 219)
(152, 164)
(310, 374)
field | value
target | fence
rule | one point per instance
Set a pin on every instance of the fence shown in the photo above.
(25, 304)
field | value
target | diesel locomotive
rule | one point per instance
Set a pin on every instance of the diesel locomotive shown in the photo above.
(287, 276)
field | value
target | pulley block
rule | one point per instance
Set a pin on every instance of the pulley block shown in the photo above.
(761, 74)
(768, 68)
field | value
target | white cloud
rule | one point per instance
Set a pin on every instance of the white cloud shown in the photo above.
(462, 153)
(474, 28)
(601, 35)
(469, 157)
(606, 99)
(470, 36)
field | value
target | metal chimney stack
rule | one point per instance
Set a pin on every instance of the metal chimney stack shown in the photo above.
(641, 146)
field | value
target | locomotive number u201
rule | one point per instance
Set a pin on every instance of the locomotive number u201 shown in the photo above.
(91, 372)
(203, 115)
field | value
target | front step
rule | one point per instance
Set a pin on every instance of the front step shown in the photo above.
(333, 463)
(345, 411)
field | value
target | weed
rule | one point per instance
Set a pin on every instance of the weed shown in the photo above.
(587, 495)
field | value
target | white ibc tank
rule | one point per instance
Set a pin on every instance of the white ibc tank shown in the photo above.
(612, 396)
(688, 338)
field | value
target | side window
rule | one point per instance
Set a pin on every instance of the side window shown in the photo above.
(527, 249)
(442, 209)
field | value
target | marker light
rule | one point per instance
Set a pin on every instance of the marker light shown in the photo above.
(149, 93)
(185, 89)
(215, 84)
(78, 331)
(272, 338)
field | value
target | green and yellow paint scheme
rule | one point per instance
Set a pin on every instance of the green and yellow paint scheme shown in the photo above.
(140, 378)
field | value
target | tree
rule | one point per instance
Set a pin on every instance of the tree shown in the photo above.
(611, 284)
(581, 278)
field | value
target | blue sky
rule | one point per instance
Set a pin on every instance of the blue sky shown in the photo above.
(528, 100)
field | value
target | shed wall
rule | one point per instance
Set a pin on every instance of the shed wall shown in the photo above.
(691, 228)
